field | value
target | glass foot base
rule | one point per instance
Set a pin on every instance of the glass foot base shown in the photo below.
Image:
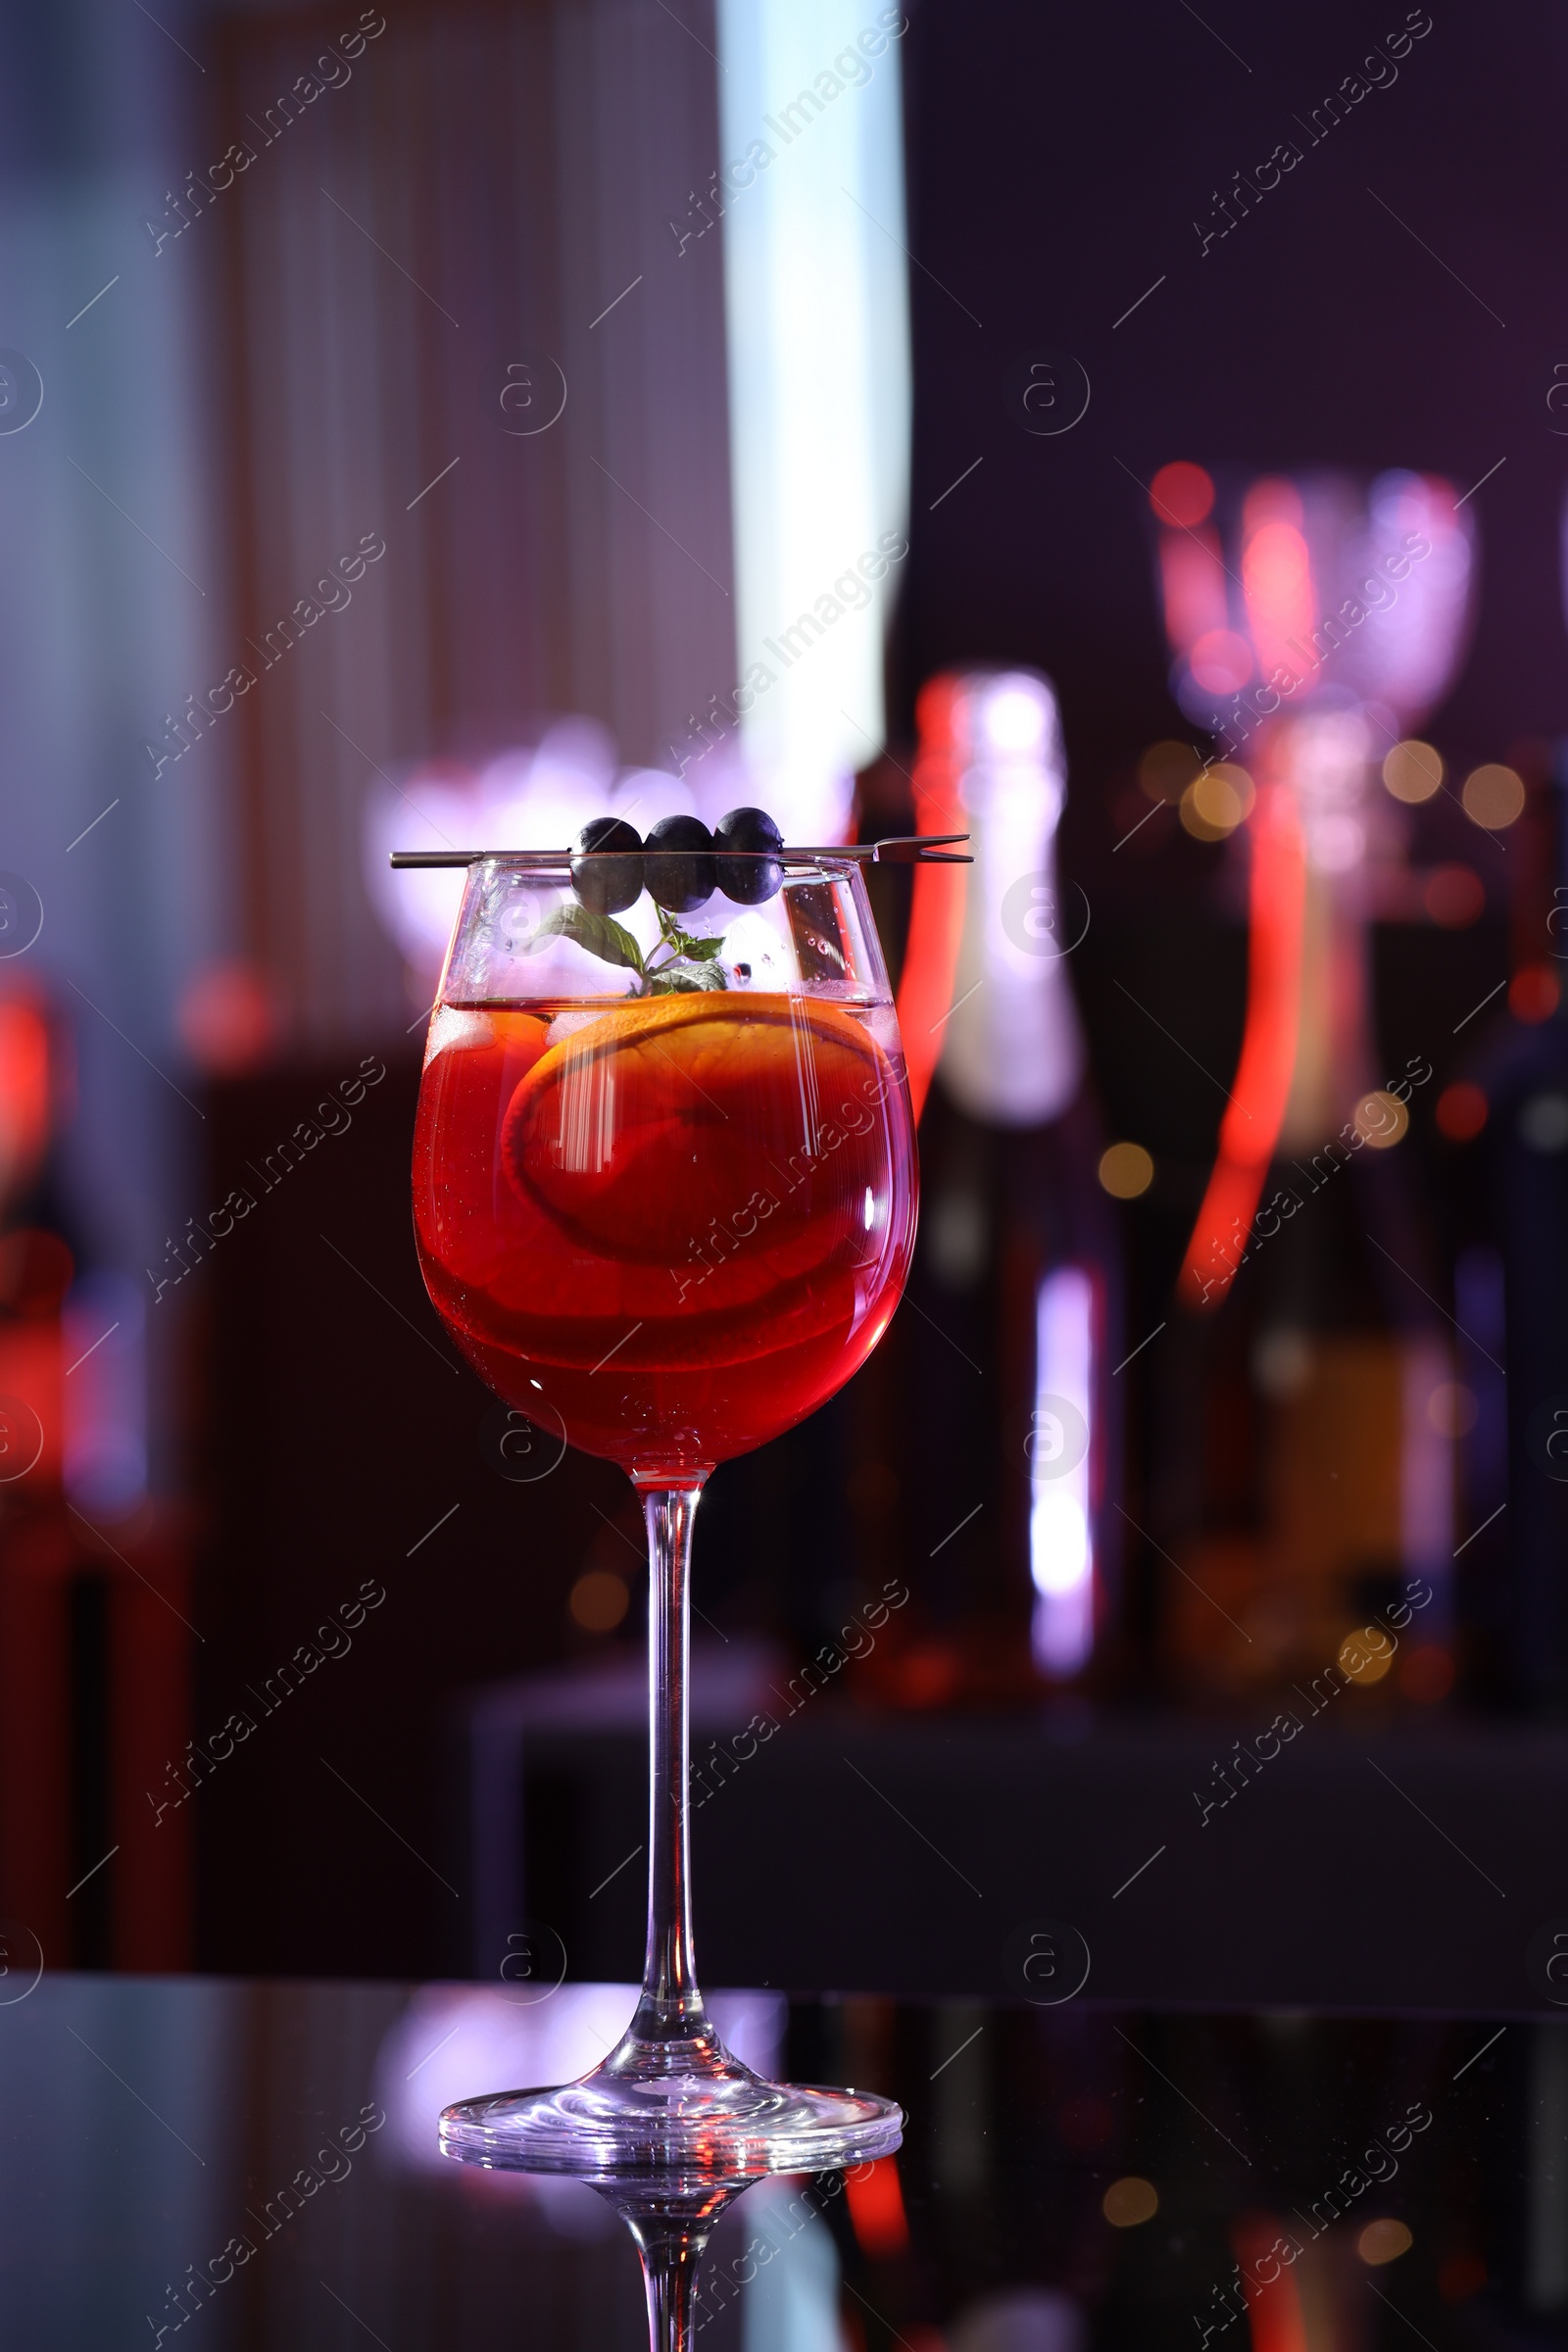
(709, 2117)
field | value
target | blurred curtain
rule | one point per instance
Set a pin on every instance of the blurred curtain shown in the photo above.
(480, 189)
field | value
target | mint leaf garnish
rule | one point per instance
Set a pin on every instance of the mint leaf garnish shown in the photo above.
(600, 934)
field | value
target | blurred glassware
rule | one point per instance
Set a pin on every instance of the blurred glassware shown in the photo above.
(1330, 594)
(1325, 634)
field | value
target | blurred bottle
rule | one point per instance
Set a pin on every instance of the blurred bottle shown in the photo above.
(1017, 1281)
(94, 1638)
(1319, 1491)
(1309, 1404)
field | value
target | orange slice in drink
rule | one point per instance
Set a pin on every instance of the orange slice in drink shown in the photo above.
(670, 1120)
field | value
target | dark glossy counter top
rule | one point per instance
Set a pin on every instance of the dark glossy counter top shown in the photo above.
(253, 2165)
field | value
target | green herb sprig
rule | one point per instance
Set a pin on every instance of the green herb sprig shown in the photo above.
(612, 943)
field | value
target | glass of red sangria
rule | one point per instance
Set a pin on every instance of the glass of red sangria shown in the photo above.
(664, 1196)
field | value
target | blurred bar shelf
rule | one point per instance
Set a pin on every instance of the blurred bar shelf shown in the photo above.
(1372, 1867)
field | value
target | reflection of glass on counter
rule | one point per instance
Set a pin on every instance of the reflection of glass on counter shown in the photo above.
(214, 2151)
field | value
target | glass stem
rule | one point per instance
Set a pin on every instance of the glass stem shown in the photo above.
(669, 2259)
(670, 2009)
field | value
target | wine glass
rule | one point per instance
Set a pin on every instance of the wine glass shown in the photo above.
(664, 1198)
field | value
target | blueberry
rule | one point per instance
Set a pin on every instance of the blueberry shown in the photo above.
(607, 884)
(749, 880)
(679, 883)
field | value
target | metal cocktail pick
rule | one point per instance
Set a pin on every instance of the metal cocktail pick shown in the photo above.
(905, 849)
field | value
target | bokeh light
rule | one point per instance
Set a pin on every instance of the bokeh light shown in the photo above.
(1215, 802)
(1221, 662)
(1413, 770)
(226, 1019)
(1182, 494)
(1426, 1674)
(1125, 1171)
(1383, 2241)
(1366, 1655)
(1455, 895)
(1493, 797)
(1534, 994)
(1167, 769)
(599, 1602)
(1461, 1111)
(1381, 1119)
(1543, 1120)
(1129, 2201)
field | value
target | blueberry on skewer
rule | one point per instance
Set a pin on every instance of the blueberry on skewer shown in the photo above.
(684, 881)
(608, 885)
(749, 880)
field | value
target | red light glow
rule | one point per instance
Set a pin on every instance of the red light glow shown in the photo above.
(1455, 895)
(1251, 1126)
(1274, 2312)
(1534, 994)
(1461, 1111)
(1222, 661)
(1277, 577)
(1460, 2275)
(876, 2209)
(1192, 578)
(936, 907)
(1086, 2123)
(24, 1109)
(1427, 1674)
(225, 1018)
(1271, 499)
(37, 1270)
(1182, 494)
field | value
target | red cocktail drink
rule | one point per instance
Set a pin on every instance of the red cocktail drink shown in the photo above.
(679, 1221)
(666, 1223)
